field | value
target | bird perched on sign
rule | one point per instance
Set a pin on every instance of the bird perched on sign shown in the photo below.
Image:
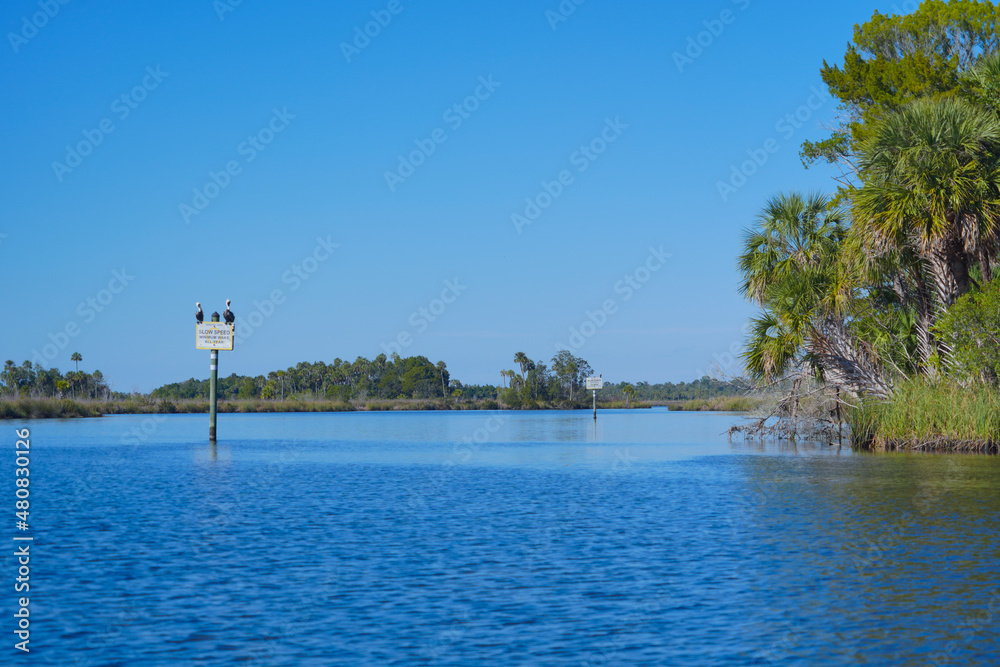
(200, 315)
(228, 314)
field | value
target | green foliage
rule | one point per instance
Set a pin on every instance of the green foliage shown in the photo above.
(883, 311)
(789, 268)
(927, 217)
(705, 388)
(539, 386)
(893, 60)
(570, 371)
(33, 381)
(381, 378)
(830, 149)
(971, 329)
(929, 415)
(629, 392)
(920, 167)
(890, 330)
(723, 404)
(981, 84)
(45, 408)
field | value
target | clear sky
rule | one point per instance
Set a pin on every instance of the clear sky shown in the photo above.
(514, 169)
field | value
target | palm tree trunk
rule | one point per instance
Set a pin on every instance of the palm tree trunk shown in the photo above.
(924, 306)
(984, 265)
(949, 265)
(845, 361)
(795, 406)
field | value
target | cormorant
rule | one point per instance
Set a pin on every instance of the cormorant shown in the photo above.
(200, 315)
(228, 314)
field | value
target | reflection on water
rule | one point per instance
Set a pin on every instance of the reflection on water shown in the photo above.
(503, 538)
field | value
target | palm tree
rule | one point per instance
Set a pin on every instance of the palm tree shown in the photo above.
(510, 375)
(793, 234)
(281, 377)
(981, 84)
(77, 358)
(930, 204)
(931, 174)
(629, 391)
(792, 268)
(521, 359)
(786, 257)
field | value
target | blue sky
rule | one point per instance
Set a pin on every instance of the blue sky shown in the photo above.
(516, 171)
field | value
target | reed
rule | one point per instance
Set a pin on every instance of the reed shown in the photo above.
(720, 404)
(46, 408)
(40, 408)
(924, 415)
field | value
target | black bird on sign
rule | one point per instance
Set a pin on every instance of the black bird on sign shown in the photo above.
(228, 314)
(200, 315)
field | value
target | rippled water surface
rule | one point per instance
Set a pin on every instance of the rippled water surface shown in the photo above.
(498, 539)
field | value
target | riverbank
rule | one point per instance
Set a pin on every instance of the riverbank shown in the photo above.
(720, 404)
(47, 408)
(65, 408)
(927, 416)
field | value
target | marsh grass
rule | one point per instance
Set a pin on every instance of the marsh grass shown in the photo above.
(42, 408)
(923, 415)
(720, 404)
(46, 408)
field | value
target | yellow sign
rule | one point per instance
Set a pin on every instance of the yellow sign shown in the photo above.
(213, 336)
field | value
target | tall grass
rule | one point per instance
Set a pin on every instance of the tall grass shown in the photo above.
(39, 408)
(720, 404)
(42, 408)
(45, 408)
(923, 415)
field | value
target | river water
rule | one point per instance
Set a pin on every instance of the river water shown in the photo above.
(506, 538)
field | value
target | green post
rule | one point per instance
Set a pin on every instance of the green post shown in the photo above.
(212, 383)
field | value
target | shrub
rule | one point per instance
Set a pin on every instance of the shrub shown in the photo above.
(971, 327)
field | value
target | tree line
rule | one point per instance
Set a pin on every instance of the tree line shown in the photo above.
(32, 381)
(563, 382)
(381, 378)
(705, 387)
(533, 384)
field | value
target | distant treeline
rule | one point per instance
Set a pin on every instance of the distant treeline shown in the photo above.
(535, 384)
(704, 388)
(32, 381)
(560, 383)
(382, 378)
(564, 381)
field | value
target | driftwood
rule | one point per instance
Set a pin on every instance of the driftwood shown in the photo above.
(814, 414)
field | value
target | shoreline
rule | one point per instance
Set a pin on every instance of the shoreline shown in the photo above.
(68, 408)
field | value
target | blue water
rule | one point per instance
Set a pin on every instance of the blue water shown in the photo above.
(497, 539)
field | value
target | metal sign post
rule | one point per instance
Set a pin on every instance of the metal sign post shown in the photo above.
(213, 336)
(595, 383)
(213, 384)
